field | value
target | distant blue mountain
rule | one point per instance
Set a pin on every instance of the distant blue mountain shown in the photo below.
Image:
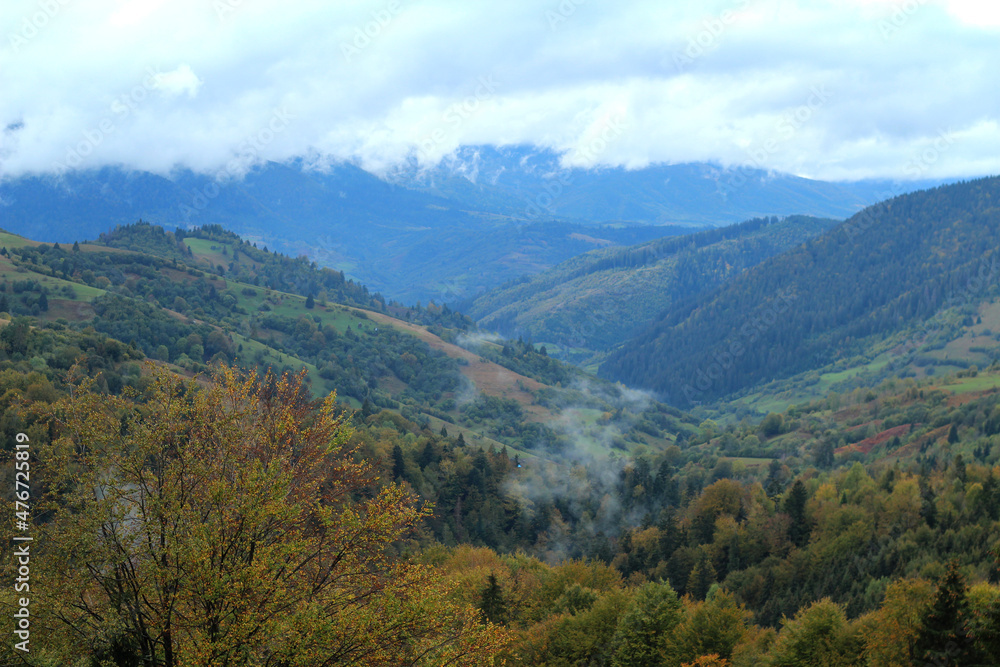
(527, 181)
(480, 217)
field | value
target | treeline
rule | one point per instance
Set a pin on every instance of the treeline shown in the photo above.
(151, 272)
(642, 255)
(583, 613)
(818, 512)
(244, 262)
(178, 306)
(522, 357)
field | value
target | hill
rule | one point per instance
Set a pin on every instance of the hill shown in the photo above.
(593, 302)
(840, 514)
(901, 277)
(194, 298)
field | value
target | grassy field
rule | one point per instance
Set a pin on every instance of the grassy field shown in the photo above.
(967, 385)
(209, 251)
(67, 299)
(8, 240)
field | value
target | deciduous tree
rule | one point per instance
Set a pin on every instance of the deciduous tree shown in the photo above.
(230, 524)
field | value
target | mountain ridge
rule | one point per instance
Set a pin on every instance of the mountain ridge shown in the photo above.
(873, 277)
(347, 218)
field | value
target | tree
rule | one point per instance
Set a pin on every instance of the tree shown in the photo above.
(231, 525)
(984, 617)
(890, 632)
(795, 506)
(493, 603)
(645, 628)
(824, 454)
(398, 463)
(367, 409)
(701, 578)
(773, 424)
(310, 302)
(818, 635)
(944, 637)
(713, 627)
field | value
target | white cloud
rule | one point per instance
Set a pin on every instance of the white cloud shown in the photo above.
(727, 81)
(178, 82)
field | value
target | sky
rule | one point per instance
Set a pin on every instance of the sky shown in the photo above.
(902, 89)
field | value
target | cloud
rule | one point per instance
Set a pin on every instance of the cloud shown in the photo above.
(178, 82)
(631, 83)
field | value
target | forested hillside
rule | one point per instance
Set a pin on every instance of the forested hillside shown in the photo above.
(881, 276)
(598, 300)
(547, 517)
(204, 296)
(838, 526)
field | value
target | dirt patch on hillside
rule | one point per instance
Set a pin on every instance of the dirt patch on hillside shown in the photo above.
(490, 378)
(868, 444)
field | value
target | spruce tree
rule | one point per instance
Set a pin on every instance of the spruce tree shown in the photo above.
(398, 463)
(701, 578)
(944, 638)
(795, 506)
(493, 605)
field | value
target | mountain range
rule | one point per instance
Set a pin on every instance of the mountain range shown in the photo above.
(581, 495)
(446, 232)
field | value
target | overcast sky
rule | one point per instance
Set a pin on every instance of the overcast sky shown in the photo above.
(833, 90)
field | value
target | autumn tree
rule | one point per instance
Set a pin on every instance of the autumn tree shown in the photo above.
(891, 631)
(818, 635)
(711, 628)
(644, 630)
(232, 524)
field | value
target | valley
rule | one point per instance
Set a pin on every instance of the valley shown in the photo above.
(518, 334)
(880, 439)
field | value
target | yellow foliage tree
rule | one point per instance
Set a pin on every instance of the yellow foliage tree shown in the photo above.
(891, 631)
(230, 524)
